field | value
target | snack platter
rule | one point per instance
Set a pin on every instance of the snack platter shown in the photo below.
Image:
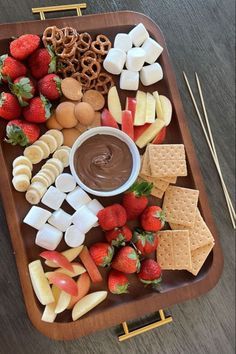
(176, 286)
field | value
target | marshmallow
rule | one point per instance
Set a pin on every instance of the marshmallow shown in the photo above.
(135, 59)
(95, 206)
(65, 182)
(114, 61)
(152, 50)
(74, 237)
(84, 219)
(48, 237)
(129, 80)
(151, 74)
(138, 35)
(77, 198)
(60, 219)
(37, 217)
(53, 198)
(123, 41)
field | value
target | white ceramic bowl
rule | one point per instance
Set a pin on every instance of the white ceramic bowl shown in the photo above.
(120, 135)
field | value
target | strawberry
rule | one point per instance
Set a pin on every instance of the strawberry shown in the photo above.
(108, 120)
(153, 218)
(135, 200)
(146, 242)
(23, 87)
(10, 68)
(150, 272)
(9, 106)
(38, 110)
(21, 132)
(117, 282)
(126, 260)
(112, 216)
(102, 253)
(160, 137)
(42, 62)
(23, 46)
(50, 87)
(119, 236)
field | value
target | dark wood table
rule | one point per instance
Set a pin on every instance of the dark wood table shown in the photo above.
(200, 37)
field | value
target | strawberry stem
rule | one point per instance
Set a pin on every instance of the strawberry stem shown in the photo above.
(142, 188)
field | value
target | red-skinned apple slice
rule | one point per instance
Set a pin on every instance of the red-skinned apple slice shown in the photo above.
(108, 120)
(70, 254)
(127, 123)
(130, 105)
(139, 130)
(64, 282)
(77, 270)
(83, 284)
(58, 258)
(89, 264)
(160, 137)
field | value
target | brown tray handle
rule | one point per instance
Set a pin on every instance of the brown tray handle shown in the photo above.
(41, 10)
(162, 320)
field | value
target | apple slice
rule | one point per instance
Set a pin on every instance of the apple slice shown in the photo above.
(63, 302)
(160, 137)
(83, 284)
(139, 130)
(107, 120)
(159, 111)
(140, 113)
(88, 303)
(127, 124)
(91, 267)
(150, 108)
(150, 133)
(58, 258)
(114, 105)
(166, 109)
(49, 314)
(63, 282)
(130, 105)
(77, 270)
(70, 254)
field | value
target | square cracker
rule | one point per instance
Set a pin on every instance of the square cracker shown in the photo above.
(180, 205)
(156, 192)
(169, 179)
(199, 257)
(171, 152)
(158, 183)
(145, 167)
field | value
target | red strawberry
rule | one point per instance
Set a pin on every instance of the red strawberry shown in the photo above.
(21, 132)
(117, 282)
(42, 62)
(112, 216)
(9, 106)
(126, 260)
(102, 253)
(146, 242)
(153, 218)
(135, 200)
(150, 272)
(38, 110)
(10, 68)
(119, 236)
(23, 87)
(23, 46)
(108, 120)
(50, 87)
(160, 137)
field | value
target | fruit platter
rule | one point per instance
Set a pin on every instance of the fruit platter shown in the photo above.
(103, 195)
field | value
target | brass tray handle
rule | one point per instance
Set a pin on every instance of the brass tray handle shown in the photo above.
(41, 10)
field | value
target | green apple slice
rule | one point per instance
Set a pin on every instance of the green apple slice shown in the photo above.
(150, 133)
(150, 108)
(159, 111)
(140, 113)
(87, 303)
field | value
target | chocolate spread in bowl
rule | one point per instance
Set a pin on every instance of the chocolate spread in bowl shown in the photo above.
(103, 162)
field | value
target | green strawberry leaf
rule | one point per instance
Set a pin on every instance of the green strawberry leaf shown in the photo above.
(122, 289)
(58, 84)
(16, 136)
(47, 106)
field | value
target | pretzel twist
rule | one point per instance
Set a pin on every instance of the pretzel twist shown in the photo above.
(104, 83)
(91, 67)
(84, 41)
(101, 45)
(52, 36)
(69, 36)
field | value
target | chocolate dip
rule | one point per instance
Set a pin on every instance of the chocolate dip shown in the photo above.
(103, 162)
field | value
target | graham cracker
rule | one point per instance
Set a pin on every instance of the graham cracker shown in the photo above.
(158, 183)
(145, 167)
(199, 257)
(156, 192)
(180, 205)
(167, 151)
(169, 179)
(173, 250)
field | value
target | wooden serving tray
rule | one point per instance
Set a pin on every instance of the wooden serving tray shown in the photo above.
(177, 286)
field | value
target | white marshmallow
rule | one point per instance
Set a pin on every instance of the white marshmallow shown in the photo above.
(95, 206)
(129, 80)
(53, 198)
(65, 182)
(48, 237)
(60, 219)
(151, 74)
(123, 41)
(152, 49)
(138, 35)
(114, 61)
(77, 198)
(135, 59)
(37, 217)
(84, 219)
(74, 237)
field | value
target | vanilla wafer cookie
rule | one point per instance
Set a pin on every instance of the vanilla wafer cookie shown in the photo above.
(199, 257)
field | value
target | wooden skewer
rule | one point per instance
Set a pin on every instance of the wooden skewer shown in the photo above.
(215, 159)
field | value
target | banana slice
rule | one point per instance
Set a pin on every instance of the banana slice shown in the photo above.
(22, 160)
(62, 155)
(34, 153)
(21, 182)
(41, 179)
(38, 187)
(22, 170)
(52, 168)
(57, 163)
(50, 174)
(50, 141)
(57, 135)
(32, 196)
(64, 147)
(44, 147)
(46, 176)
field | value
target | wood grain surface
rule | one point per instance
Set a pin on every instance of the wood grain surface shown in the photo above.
(200, 37)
